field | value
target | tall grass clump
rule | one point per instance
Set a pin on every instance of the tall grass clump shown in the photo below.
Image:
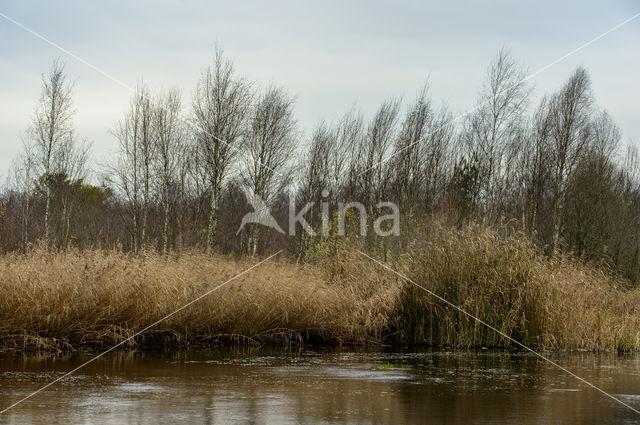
(505, 281)
(487, 275)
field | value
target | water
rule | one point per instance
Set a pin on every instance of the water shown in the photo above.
(268, 385)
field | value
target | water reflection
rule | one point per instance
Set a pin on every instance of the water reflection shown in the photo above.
(269, 385)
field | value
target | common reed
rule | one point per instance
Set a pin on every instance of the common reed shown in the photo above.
(98, 298)
(548, 303)
(73, 299)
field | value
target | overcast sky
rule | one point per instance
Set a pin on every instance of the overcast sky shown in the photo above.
(329, 54)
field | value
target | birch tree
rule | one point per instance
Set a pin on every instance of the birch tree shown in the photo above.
(376, 149)
(495, 124)
(221, 104)
(410, 149)
(132, 170)
(23, 170)
(168, 139)
(269, 148)
(569, 112)
(51, 130)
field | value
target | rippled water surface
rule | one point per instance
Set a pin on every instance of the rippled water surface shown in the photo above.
(268, 385)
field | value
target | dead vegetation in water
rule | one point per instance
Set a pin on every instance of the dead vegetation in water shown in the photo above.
(64, 300)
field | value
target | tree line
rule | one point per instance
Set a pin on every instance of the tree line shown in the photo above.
(555, 170)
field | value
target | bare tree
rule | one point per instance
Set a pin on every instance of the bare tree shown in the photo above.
(145, 139)
(409, 149)
(346, 138)
(23, 170)
(220, 106)
(604, 137)
(438, 157)
(187, 171)
(332, 163)
(595, 204)
(269, 147)
(168, 139)
(316, 162)
(535, 167)
(569, 112)
(52, 130)
(328, 158)
(133, 168)
(421, 153)
(351, 135)
(380, 135)
(626, 250)
(72, 162)
(496, 123)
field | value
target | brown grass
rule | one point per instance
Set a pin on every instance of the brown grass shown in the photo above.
(558, 303)
(98, 298)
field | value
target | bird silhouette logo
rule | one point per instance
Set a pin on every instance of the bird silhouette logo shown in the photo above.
(260, 214)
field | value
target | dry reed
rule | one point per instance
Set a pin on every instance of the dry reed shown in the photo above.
(94, 299)
(97, 298)
(558, 303)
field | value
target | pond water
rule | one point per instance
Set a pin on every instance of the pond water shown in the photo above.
(321, 385)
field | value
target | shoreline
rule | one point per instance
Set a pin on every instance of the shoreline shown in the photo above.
(202, 347)
(60, 301)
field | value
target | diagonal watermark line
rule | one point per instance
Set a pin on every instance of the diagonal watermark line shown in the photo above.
(498, 331)
(63, 50)
(71, 372)
(128, 87)
(577, 49)
(527, 78)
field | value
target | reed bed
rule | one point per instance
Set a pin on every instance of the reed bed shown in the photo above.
(99, 298)
(94, 299)
(547, 303)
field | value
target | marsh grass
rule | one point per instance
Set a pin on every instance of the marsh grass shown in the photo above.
(558, 303)
(72, 299)
(98, 298)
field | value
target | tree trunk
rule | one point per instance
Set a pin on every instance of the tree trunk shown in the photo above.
(165, 228)
(213, 220)
(46, 217)
(557, 227)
